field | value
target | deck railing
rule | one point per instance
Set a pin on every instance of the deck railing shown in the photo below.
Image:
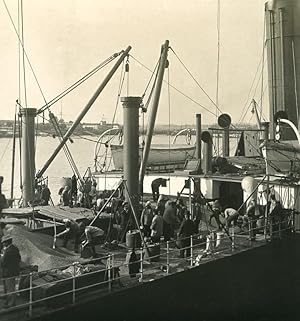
(69, 290)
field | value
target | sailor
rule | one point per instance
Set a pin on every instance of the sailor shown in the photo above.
(10, 264)
(146, 219)
(94, 235)
(155, 186)
(72, 231)
(187, 228)
(156, 227)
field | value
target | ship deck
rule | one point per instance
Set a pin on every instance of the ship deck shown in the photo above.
(159, 266)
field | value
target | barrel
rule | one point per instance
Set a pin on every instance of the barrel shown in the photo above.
(153, 252)
(133, 239)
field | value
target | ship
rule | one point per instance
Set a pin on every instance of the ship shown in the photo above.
(228, 275)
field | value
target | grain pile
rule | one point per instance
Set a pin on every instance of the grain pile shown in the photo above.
(36, 249)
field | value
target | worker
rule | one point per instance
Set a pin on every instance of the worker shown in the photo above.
(216, 212)
(146, 219)
(250, 215)
(94, 235)
(45, 195)
(156, 227)
(65, 197)
(187, 228)
(72, 231)
(155, 186)
(170, 221)
(10, 264)
(275, 214)
(3, 201)
(231, 215)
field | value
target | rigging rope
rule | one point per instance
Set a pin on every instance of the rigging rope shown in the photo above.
(218, 57)
(24, 51)
(187, 70)
(179, 91)
(78, 82)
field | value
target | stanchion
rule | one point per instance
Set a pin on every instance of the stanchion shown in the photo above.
(232, 239)
(168, 257)
(74, 284)
(109, 272)
(141, 265)
(30, 294)
(191, 250)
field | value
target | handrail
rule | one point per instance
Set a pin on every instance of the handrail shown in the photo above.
(225, 244)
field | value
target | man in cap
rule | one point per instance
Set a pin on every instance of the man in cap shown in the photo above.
(10, 264)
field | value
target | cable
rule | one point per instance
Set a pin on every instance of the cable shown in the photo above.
(25, 53)
(206, 94)
(78, 82)
(179, 91)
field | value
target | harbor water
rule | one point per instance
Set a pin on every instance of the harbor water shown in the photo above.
(82, 150)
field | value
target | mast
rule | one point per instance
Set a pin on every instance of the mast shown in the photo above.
(84, 111)
(13, 159)
(155, 102)
(28, 154)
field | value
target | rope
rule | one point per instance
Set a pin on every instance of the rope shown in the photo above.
(251, 87)
(78, 82)
(218, 56)
(262, 69)
(5, 149)
(169, 129)
(179, 91)
(205, 93)
(24, 51)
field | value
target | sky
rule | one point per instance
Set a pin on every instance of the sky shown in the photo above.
(66, 39)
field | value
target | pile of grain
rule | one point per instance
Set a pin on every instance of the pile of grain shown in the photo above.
(36, 249)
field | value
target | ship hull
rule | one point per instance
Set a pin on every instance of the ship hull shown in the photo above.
(250, 285)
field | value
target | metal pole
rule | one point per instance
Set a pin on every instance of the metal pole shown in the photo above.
(30, 294)
(225, 141)
(141, 265)
(265, 131)
(168, 256)
(154, 107)
(232, 239)
(198, 141)
(191, 250)
(131, 107)
(74, 284)
(282, 58)
(84, 111)
(28, 154)
(109, 272)
(13, 160)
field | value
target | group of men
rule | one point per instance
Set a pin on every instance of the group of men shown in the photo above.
(91, 235)
(250, 217)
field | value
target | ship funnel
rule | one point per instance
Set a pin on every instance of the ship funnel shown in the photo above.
(283, 47)
(207, 152)
(224, 121)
